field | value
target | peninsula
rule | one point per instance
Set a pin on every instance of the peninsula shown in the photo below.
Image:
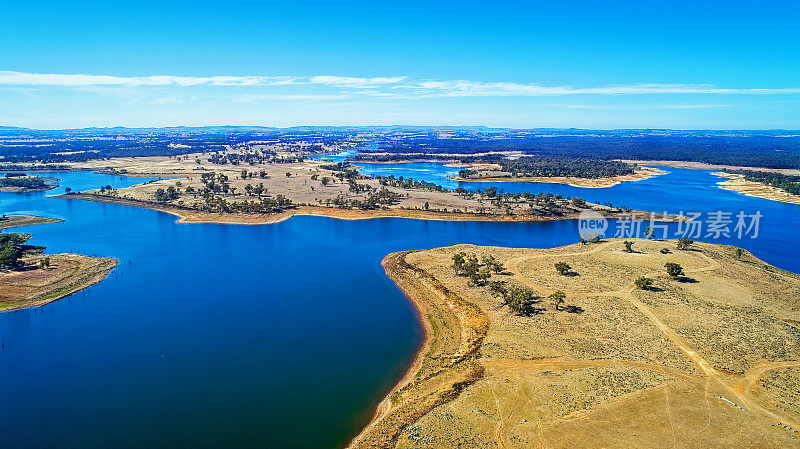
(30, 278)
(597, 345)
(256, 184)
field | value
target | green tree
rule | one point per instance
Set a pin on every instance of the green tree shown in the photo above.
(458, 262)
(480, 277)
(521, 300)
(628, 246)
(643, 283)
(674, 270)
(495, 265)
(684, 243)
(498, 288)
(558, 298)
(563, 268)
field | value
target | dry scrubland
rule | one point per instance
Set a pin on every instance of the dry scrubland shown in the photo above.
(712, 360)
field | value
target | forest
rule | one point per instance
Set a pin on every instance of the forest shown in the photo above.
(559, 166)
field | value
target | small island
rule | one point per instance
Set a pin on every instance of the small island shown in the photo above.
(610, 344)
(22, 183)
(30, 278)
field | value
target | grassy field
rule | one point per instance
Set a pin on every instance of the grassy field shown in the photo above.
(711, 359)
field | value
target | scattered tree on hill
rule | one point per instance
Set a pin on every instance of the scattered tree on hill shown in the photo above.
(674, 270)
(628, 246)
(563, 268)
(665, 251)
(495, 265)
(643, 283)
(683, 243)
(521, 300)
(480, 277)
(558, 298)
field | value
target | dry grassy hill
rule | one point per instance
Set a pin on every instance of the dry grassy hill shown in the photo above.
(708, 360)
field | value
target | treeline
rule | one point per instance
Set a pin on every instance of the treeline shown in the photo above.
(214, 203)
(744, 149)
(374, 200)
(36, 167)
(29, 182)
(789, 183)
(11, 250)
(561, 166)
(409, 183)
(19, 145)
(252, 157)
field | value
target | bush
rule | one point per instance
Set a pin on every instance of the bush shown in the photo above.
(563, 268)
(643, 283)
(674, 270)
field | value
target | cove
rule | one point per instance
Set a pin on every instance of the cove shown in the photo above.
(280, 336)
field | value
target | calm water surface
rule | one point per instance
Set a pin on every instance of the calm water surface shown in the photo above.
(281, 336)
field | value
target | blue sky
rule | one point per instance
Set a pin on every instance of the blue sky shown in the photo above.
(722, 65)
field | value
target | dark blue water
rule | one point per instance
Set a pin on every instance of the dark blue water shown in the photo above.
(281, 336)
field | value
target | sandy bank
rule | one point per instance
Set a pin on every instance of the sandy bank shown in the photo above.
(738, 183)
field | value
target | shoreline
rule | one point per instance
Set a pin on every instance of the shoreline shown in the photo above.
(691, 165)
(187, 215)
(587, 183)
(443, 365)
(391, 416)
(737, 183)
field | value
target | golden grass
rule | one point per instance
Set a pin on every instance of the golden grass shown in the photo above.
(711, 361)
(35, 286)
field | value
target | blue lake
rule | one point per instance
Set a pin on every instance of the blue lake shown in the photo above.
(280, 336)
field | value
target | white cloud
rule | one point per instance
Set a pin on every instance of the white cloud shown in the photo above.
(465, 88)
(345, 81)
(388, 87)
(255, 98)
(52, 79)
(696, 106)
